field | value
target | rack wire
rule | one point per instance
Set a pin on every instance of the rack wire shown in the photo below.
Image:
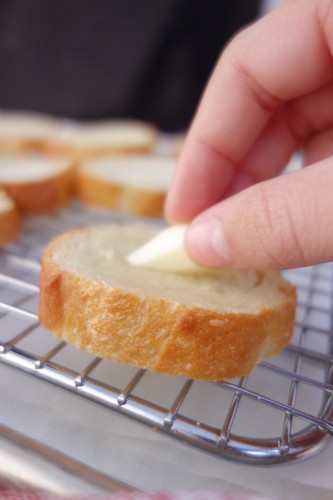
(282, 411)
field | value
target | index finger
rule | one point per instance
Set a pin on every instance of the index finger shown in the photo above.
(283, 56)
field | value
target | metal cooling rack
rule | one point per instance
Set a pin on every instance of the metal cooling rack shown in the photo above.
(282, 411)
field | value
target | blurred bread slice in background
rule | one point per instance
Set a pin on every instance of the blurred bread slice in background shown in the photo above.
(104, 137)
(136, 184)
(38, 184)
(10, 222)
(25, 131)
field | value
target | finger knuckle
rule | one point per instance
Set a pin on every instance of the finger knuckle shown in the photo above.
(276, 232)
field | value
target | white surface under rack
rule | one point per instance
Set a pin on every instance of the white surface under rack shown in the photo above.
(281, 412)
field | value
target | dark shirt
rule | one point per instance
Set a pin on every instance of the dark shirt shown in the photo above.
(85, 59)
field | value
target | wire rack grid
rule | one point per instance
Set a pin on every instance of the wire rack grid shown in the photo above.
(282, 411)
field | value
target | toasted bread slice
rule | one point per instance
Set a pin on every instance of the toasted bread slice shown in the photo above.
(38, 184)
(10, 222)
(135, 184)
(207, 326)
(25, 131)
(85, 140)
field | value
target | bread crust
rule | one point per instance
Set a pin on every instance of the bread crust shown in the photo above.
(95, 191)
(10, 225)
(156, 333)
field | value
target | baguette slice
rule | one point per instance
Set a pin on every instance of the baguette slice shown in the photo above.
(10, 222)
(203, 326)
(134, 184)
(85, 140)
(25, 131)
(38, 184)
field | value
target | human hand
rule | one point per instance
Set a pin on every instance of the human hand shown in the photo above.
(270, 94)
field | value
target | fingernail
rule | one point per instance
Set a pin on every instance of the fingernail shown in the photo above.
(206, 242)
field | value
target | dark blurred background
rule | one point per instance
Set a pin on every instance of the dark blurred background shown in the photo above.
(85, 59)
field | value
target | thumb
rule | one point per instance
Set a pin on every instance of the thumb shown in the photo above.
(281, 223)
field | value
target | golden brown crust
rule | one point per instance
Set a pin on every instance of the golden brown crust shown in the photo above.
(10, 225)
(44, 196)
(94, 191)
(159, 334)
